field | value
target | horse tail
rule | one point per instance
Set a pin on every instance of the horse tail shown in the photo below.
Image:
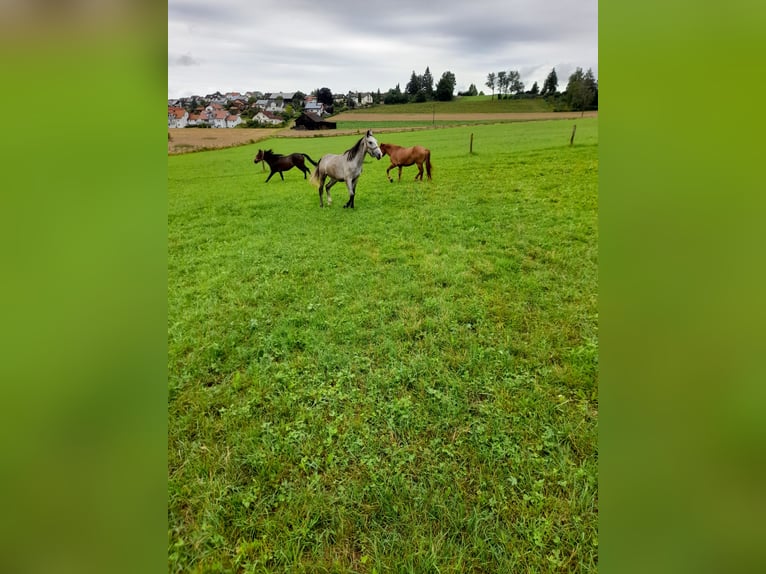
(428, 164)
(314, 180)
(308, 158)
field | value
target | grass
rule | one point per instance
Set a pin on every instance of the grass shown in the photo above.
(406, 387)
(425, 123)
(462, 105)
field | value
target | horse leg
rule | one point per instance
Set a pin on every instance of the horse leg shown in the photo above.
(351, 192)
(271, 174)
(390, 167)
(282, 176)
(321, 189)
(420, 172)
(333, 181)
(400, 173)
(301, 165)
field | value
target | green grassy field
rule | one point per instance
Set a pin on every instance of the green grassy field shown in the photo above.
(462, 105)
(425, 123)
(410, 386)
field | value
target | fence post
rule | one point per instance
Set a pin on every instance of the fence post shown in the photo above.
(471, 148)
(571, 139)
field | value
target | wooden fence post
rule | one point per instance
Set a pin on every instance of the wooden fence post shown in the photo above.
(571, 139)
(471, 148)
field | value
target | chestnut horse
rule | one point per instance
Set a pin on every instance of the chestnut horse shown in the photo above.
(279, 163)
(406, 156)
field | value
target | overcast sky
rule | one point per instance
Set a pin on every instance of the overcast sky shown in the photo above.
(359, 45)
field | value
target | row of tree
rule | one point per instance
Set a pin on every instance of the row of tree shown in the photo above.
(506, 83)
(581, 92)
(421, 88)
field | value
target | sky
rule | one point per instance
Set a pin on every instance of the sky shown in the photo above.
(364, 46)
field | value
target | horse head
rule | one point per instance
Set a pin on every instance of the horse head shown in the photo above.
(259, 156)
(372, 145)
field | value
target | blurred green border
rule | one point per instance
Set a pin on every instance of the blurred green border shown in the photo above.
(83, 222)
(84, 303)
(681, 281)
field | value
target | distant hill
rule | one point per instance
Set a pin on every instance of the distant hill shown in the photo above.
(462, 105)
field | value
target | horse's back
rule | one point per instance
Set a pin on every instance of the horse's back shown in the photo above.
(332, 165)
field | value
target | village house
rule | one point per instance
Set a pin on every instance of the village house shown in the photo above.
(217, 119)
(276, 102)
(226, 110)
(314, 107)
(267, 118)
(196, 119)
(177, 117)
(238, 104)
(358, 99)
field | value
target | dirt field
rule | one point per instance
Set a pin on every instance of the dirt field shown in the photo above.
(183, 140)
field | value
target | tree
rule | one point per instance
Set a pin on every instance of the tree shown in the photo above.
(535, 89)
(581, 90)
(591, 85)
(324, 96)
(395, 96)
(413, 86)
(298, 99)
(502, 82)
(445, 87)
(515, 85)
(551, 84)
(427, 83)
(490, 83)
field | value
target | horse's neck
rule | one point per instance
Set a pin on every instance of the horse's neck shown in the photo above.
(359, 159)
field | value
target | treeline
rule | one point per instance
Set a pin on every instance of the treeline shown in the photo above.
(421, 88)
(581, 92)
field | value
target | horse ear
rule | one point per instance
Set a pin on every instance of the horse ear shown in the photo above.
(369, 133)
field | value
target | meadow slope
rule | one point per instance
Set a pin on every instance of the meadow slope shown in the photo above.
(409, 386)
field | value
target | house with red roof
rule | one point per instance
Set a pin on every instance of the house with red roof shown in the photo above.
(177, 117)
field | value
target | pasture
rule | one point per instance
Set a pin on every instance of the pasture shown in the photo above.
(409, 386)
(465, 104)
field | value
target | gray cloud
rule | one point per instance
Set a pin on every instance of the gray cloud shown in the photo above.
(182, 60)
(358, 45)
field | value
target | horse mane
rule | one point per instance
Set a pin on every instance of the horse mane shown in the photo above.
(351, 153)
